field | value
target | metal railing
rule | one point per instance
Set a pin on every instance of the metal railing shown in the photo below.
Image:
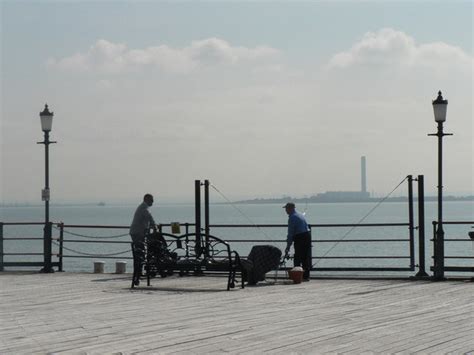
(315, 227)
(461, 240)
(4, 263)
(65, 250)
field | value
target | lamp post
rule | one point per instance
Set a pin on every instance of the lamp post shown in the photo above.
(439, 108)
(46, 125)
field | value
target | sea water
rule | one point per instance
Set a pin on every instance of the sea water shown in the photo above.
(329, 242)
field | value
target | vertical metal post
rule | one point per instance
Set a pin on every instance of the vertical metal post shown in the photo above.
(421, 228)
(1, 246)
(439, 236)
(411, 223)
(186, 239)
(61, 243)
(47, 268)
(206, 215)
(435, 247)
(311, 249)
(197, 208)
(439, 244)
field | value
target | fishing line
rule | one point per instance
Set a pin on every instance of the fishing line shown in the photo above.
(241, 212)
(360, 221)
(283, 262)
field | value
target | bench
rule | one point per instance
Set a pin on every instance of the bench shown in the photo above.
(164, 254)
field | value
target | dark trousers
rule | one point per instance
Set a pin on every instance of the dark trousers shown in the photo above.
(302, 245)
(138, 252)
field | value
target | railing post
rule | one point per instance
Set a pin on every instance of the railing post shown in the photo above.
(437, 258)
(197, 207)
(311, 248)
(61, 242)
(47, 241)
(186, 239)
(206, 215)
(1, 246)
(411, 227)
(421, 228)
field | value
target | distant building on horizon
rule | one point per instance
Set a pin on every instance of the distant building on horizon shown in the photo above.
(349, 196)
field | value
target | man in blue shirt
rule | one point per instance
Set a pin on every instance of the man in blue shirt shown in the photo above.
(299, 234)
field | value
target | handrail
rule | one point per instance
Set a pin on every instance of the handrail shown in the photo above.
(454, 222)
(22, 223)
(99, 226)
(318, 225)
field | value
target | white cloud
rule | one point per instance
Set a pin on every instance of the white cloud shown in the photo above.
(109, 57)
(389, 47)
(233, 117)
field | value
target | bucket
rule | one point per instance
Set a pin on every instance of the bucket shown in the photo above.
(296, 274)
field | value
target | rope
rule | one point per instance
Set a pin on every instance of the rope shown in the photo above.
(360, 221)
(95, 255)
(91, 236)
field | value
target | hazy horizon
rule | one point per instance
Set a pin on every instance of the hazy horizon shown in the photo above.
(190, 200)
(264, 99)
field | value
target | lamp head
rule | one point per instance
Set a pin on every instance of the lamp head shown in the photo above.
(440, 107)
(46, 119)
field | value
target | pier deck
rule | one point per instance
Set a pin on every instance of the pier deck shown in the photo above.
(98, 313)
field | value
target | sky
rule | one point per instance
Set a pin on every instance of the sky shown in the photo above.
(262, 98)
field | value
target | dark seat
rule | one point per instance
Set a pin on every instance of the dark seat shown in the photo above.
(264, 258)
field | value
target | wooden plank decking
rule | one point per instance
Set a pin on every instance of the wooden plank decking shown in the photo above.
(98, 313)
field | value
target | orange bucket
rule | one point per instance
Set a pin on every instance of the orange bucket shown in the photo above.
(296, 274)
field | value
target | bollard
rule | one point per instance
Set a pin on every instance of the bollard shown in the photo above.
(98, 267)
(120, 267)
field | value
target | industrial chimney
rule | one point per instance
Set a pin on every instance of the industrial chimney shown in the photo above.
(363, 176)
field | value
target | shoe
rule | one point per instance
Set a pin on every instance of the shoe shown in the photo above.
(306, 279)
(136, 282)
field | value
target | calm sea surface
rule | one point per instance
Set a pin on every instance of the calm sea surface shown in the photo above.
(327, 239)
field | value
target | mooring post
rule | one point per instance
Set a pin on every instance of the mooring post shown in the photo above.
(197, 209)
(411, 222)
(421, 228)
(206, 215)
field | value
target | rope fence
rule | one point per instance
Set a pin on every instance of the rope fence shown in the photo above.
(91, 236)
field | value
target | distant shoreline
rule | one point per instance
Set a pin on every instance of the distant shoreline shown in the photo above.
(371, 199)
(255, 201)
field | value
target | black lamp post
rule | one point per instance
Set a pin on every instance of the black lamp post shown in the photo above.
(439, 108)
(46, 125)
